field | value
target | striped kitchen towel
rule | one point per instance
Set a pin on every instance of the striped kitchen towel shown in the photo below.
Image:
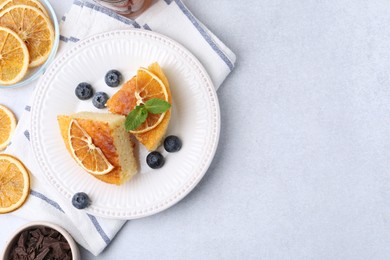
(84, 19)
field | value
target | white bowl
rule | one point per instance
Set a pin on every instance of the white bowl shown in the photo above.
(73, 246)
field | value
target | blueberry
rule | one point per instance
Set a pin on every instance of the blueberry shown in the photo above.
(84, 91)
(113, 78)
(172, 144)
(99, 99)
(155, 160)
(81, 200)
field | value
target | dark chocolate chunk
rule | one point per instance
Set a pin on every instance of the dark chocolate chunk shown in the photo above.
(43, 254)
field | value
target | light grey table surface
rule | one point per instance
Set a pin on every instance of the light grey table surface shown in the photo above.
(302, 169)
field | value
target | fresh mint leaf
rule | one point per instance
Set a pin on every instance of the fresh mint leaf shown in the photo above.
(136, 117)
(157, 106)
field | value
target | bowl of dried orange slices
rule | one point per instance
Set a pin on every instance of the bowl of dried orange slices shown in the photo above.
(29, 37)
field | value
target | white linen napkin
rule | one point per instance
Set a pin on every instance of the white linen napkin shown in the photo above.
(84, 19)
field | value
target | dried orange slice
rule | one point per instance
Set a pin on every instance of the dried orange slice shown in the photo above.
(33, 27)
(14, 57)
(87, 155)
(149, 86)
(4, 4)
(7, 126)
(14, 183)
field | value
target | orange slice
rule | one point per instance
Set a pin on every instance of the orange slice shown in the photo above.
(149, 86)
(14, 57)
(33, 27)
(7, 126)
(4, 4)
(86, 154)
(14, 183)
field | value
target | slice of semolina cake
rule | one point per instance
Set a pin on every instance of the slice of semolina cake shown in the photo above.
(107, 132)
(124, 101)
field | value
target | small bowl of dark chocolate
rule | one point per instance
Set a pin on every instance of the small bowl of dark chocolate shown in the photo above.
(41, 240)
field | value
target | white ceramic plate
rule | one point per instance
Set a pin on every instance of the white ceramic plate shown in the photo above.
(195, 119)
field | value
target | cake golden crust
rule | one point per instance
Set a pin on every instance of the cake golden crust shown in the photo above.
(123, 101)
(101, 135)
